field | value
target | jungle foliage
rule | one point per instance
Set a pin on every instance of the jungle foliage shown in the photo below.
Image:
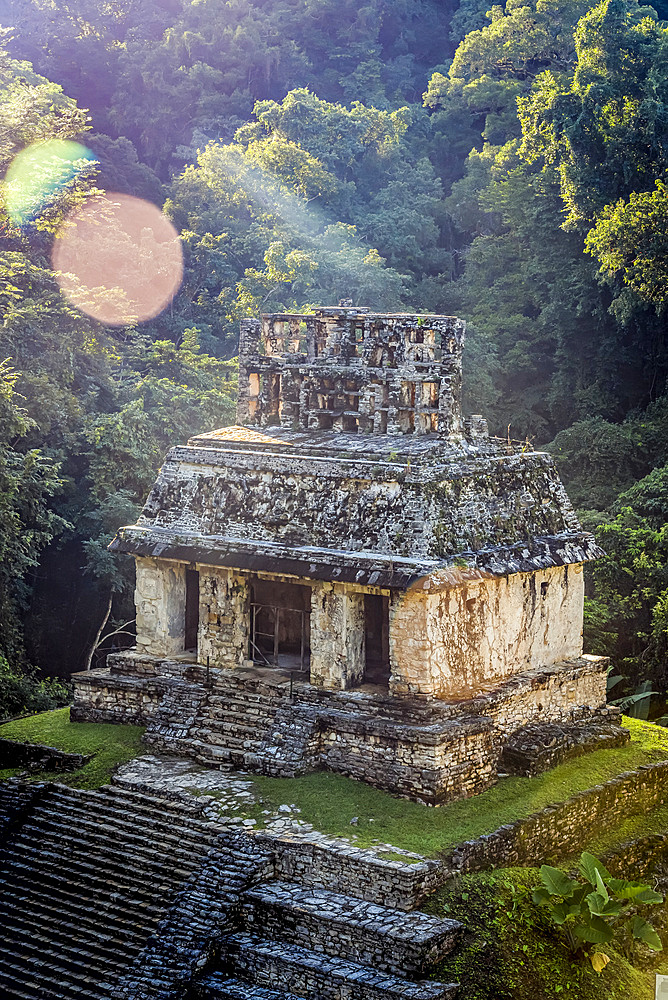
(505, 164)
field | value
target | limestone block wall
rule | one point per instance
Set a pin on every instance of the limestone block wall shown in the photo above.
(322, 863)
(102, 697)
(449, 642)
(545, 694)
(224, 616)
(160, 600)
(561, 830)
(337, 635)
(455, 762)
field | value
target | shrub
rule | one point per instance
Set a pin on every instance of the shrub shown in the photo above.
(597, 910)
(21, 691)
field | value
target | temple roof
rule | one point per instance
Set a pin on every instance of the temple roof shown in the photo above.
(384, 510)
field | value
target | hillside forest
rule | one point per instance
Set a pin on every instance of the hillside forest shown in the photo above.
(507, 165)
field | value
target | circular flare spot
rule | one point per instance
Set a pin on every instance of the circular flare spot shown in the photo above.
(39, 174)
(118, 259)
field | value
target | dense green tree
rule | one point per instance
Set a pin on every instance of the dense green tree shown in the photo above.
(626, 616)
(630, 240)
(603, 128)
(28, 479)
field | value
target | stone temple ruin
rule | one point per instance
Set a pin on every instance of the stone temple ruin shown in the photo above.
(355, 578)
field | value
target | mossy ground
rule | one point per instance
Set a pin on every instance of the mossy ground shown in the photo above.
(511, 952)
(329, 801)
(109, 745)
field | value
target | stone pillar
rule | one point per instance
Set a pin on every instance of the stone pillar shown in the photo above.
(160, 599)
(409, 649)
(224, 617)
(249, 345)
(337, 636)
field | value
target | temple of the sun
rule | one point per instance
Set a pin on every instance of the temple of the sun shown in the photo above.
(355, 577)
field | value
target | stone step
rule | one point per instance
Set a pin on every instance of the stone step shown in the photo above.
(226, 738)
(20, 877)
(16, 924)
(74, 956)
(12, 991)
(239, 726)
(221, 987)
(347, 927)
(123, 928)
(105, 835)
(93, 881)
(141, 799)
(145, 802)
(277, 964)
(207, 753)
(96, 867)
(156, 820)
(100, 891)
(187, 831)
(44, 981)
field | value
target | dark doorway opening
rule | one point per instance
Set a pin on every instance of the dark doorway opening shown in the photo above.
(376, 639)
(280, 624)
(192, 609)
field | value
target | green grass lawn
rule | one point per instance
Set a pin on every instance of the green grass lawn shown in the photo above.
(329, 801)
(110, 745)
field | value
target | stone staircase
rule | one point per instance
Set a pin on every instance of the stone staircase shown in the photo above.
(314, 943)
(118, 894)
(243, 721)
(93, 884)
(233, 723)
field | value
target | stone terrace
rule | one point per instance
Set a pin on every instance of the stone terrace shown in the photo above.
(122, 895)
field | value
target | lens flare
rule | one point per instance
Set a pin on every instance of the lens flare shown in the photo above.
(39, 174)
(118, 259)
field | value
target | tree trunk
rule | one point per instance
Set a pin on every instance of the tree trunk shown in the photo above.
(96, 641)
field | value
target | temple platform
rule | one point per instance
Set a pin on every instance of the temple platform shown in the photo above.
(274, 722)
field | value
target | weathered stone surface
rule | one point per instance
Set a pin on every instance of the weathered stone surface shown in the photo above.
(38, 757)
(536, 748)
(565, 828)
(278, 963)
(122, 894)
(160, 602)
(350, 928)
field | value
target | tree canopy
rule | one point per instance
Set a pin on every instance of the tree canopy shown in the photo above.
(507, 163)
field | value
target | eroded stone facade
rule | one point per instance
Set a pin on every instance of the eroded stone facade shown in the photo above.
(356, 533)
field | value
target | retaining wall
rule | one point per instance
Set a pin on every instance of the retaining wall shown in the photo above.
(559, 830)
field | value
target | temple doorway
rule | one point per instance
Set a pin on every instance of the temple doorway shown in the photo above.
(376, 640)
(280, 624)
(192, 609)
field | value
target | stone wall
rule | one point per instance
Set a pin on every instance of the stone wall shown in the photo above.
(451, 642)
(102, 697)
(323, 863)
(441, 763)
(638, 859)
(564, 829)
(160, 599)
(37, 757)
